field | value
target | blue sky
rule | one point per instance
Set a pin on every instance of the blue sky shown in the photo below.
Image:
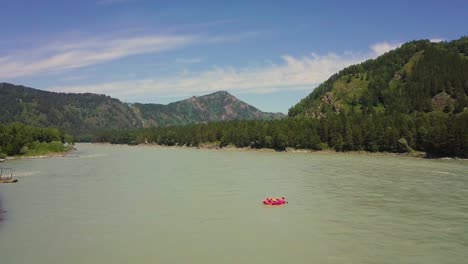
(268, 53)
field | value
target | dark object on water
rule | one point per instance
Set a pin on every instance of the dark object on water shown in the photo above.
(8, 179)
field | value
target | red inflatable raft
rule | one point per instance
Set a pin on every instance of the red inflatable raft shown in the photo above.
(274, 201)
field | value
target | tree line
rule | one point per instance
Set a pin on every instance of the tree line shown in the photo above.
(20, 139)
(436, 133)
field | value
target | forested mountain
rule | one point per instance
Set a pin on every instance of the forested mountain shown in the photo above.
(218, 106)
(437, 134)
(78, 114)
(85, 114)
(420, 76)
(412, 98)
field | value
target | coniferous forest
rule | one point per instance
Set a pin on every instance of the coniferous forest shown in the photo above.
(438, 134)
(413, 98)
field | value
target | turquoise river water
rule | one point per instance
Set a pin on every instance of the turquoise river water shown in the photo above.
(122, 204)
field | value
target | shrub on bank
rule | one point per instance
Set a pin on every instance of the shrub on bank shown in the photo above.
(20, 139)
(40, 148)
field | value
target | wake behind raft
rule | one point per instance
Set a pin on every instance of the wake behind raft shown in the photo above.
(275, 201)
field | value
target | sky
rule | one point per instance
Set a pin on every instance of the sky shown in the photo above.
(268, 53)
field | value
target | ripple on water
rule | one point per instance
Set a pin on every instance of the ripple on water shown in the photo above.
(128, 204)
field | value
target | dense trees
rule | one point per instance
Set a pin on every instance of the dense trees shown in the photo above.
(403, 80)
(411, 98)
(83, 114)
(21, 139)
(78, 114)
(215, 107)
(418, 93)
(437, 133)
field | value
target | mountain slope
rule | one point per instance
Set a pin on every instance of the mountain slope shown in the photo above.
(78, 114)
(420, 76)
(218, 106)
(85, 114)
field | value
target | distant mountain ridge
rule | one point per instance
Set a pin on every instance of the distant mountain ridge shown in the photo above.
(87, 113)
(218, 106)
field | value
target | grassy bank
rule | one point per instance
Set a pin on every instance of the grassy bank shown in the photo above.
(19, 140)
(42, 150)
(37, 148)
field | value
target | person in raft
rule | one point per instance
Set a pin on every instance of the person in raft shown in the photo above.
(275, 200)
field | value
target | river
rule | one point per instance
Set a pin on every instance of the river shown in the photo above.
(122, 204)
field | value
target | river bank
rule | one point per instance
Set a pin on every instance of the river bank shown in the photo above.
(41, 156)
(215, 147)
(44, 156)
(108, 197)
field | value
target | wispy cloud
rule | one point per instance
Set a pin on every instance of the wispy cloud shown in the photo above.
(69, 55)
(436, 39)
(383, 47)
(65, 55)
(292, 73)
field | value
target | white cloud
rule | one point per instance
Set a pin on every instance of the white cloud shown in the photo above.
(383, 47)
(289, 73)
(436, 39)
(292, 73)
(65, 55)
(69, 55)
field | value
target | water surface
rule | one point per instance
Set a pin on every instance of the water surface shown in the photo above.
(120, 204)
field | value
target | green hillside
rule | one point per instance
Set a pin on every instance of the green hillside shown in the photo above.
(410, 100)
(420, 76)
(78, 114)
(83, 115)
(218, 106)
